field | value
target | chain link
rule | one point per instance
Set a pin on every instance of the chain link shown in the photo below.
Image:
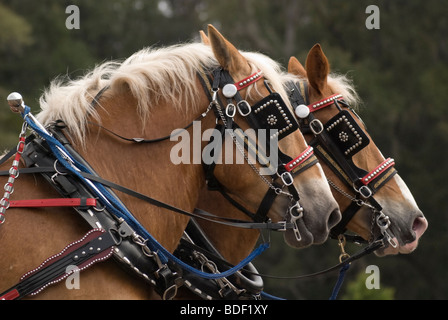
(13, 174)
(210, 265)
(378, 217)
(359, 202)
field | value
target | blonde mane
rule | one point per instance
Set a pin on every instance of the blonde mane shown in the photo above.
(151, 75)
(341, 84)
(338, 83)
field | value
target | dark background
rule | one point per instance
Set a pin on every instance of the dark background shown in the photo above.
(400, 71)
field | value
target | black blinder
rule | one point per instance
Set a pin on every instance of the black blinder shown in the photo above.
(345, 132)
(273, 113)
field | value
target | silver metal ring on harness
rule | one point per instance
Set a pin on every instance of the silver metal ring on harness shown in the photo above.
(316, 126)
(56, 168)
(364, 191)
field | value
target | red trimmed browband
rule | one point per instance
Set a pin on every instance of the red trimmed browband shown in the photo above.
(300, 159)
(62, 202)
(324, 102)
(375, 173)
(249, 80)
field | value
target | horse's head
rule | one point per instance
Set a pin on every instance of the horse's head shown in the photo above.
(274, 194)
(364, 182)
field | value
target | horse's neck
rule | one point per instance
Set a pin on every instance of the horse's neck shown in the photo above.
(234, 244)
(146, 168)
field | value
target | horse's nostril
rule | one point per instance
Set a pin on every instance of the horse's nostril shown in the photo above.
(334, 218)
(419, 226)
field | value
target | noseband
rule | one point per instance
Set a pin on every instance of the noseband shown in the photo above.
(336, 142)
(270, 114)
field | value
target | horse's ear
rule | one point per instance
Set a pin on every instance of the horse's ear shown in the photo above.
(227, 55)
(296, 68)
(317, 68)
(204, 38)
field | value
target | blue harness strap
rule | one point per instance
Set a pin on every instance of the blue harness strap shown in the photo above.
(339, 282)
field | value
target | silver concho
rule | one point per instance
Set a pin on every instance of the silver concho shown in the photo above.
(302, 111)
(229, 90)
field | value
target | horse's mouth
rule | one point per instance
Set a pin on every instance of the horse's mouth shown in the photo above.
(418, 228)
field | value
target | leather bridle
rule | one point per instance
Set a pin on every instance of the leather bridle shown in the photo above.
(271, 113)
(335, 142)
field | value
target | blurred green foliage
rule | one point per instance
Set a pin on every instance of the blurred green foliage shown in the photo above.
(357, 290)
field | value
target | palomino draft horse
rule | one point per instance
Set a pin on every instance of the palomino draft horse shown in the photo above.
(388, 205)
(149, 95)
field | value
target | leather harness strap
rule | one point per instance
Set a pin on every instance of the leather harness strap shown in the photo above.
(59, 202)
(336, 142)
(97, 245)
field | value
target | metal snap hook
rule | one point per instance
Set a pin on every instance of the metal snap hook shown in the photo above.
(383, 222)
(296, 213)
(341, 243)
